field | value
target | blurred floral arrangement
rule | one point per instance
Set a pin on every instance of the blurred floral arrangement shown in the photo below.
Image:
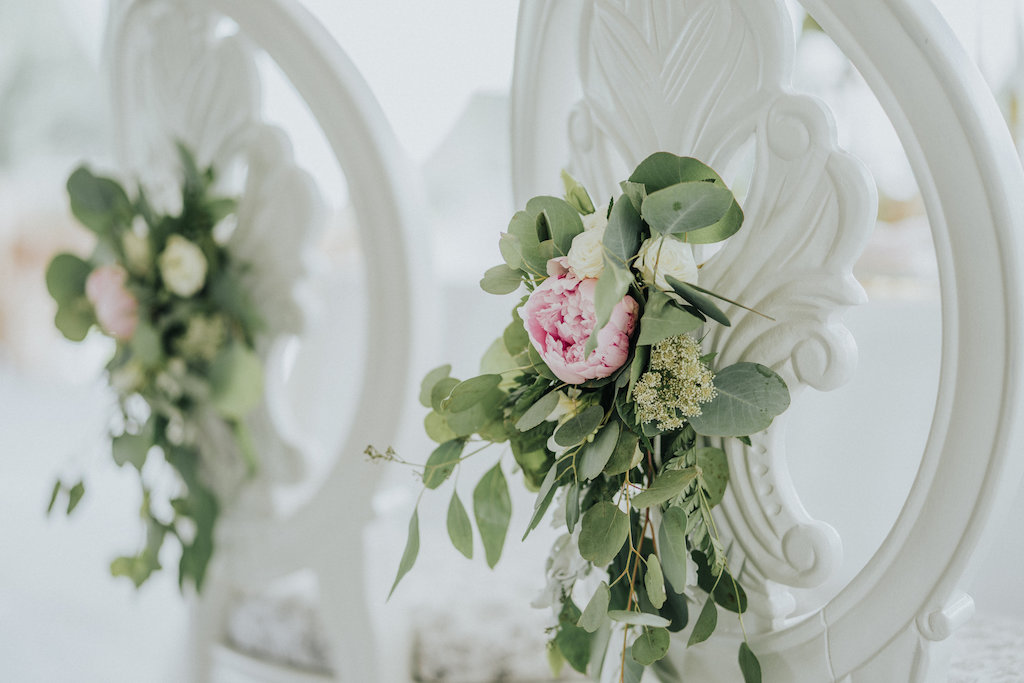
(168, 292)
(606, 400)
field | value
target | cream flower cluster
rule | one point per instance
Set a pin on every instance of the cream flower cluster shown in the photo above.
(182, 266)
(675, 384)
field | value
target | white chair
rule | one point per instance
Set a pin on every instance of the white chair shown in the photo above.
(600, 84)
(185, 70)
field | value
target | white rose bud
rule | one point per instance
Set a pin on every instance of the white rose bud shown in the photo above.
(596, 220)
(182, 266)
(666, 255)
(587, 253)
(136, 247)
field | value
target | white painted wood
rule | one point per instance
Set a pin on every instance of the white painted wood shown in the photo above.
(600, 84)
(176, 73)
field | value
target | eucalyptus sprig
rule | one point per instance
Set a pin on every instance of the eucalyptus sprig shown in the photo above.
(601, 391)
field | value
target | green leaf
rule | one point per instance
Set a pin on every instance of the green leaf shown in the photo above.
(412, 549)
(596, 613)
(597, 453)
(563, 220)
(669, 484)
(466, 394)
(579, 427)
(603, 531)
(146, 345)
(650, 646)
(478, 416)
(641, 359)
(638, 618)
(672, 546)
(698, 300)
(440, 392)
(133, 448)
(635, 192)
(544, 498)
(622, 236)
(236, 381)
(431, 379)
(622, 457)
(75, 494)
(573, 642)
(714, 477)
(663, 169)
(613, 284)
(74, 319)
(57, 487)
(515, 336)
(442, 462)
(437, 428)
(572, 505)
(663, 318)
(511, 250)
(65, 278)
(654, 582)
(576, 195)
(706, 623)
(716, 232)
(749, 666)
(98, 203)
(460, 531)
(538, 364)
(749, 397)
(538, 412)
(492, 508)
(501, 280)
(687, 206)
(524, 227)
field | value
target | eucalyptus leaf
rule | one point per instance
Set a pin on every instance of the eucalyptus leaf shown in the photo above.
(749, 396)
(65, 278)
(538, 412)
(442, 462)
(662, 169)
(492, 508)
(236, 381)
(705, 625)
(501, 280)
(133, 448)
(650, 646)
(579, 427)
(596, 613)
(698, 300)
(460, 531)
(638, 618)
(75, 494)
(544, 497)
(635, 192)
(440, 391)
(524, 226)
(436, 427)
(563, 221)
(664, 318)
(729, 225)
(573, 642)
(622, 235)
(515, 336)
(74, 319)
(602, 532)
(687, 206)
(430, 380)
(622, 457)
(672, 547)
(611, 287)
(466, 394)
(511, 250)
(749, 666)
(714, 468)
(597, 453)
(58, 486)
(412, 549)
(98, 203)
(669, 484)
(147, 346)
(576, 195)
(478, 416)
(654, 582)
(641, 360)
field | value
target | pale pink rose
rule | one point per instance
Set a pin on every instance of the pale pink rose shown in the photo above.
(559, 318)
(116, 309)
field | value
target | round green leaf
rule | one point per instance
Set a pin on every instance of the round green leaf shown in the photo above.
(714, 467)
(654, 582)
(683, 207)
(668, 485)
(538, 412)
(236, 381)
(437, 428)
(442, 462)
(579, 427)
(596, 613)
(501, 280)
(638, 618)
(749, 397)
(650, 646)
(65, 278)
(466, 394)
(602, 532)
(431, 379)
(672, 547)
(440, 392)
(706, 623)
(597, 453)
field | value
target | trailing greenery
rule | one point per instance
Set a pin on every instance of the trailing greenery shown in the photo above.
(168, 291)
(600, 391)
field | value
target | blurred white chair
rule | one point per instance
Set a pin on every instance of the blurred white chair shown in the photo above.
(601, 84)
(339, 355)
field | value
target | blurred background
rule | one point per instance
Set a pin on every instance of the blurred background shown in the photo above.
(444, 90)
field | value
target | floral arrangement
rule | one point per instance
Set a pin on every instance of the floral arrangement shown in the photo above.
(606, 400)
(185, 369)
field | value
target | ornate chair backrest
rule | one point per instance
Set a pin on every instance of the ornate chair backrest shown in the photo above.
(187, 71)
(601, 84)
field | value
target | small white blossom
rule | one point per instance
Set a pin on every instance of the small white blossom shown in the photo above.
(586, 255)
(597, 220)
(182, 266)
(666, 255)
(136, 247)
(564, 567)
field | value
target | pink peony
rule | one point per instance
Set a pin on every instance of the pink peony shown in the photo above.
(117, 310)
(559, 317)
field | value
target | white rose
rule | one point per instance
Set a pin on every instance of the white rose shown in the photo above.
(666, 255)
(182, 266)
(595, 221)
(136, 247)
(586, 253)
